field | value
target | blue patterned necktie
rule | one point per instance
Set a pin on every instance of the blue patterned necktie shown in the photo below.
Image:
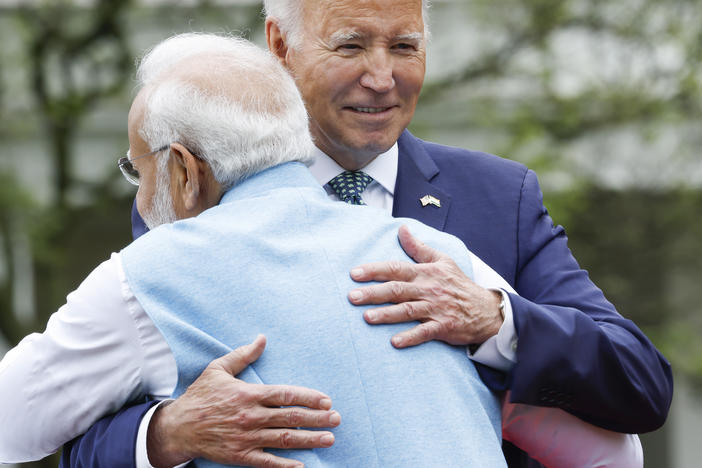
(349, 185)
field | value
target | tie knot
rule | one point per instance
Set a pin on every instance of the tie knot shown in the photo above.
(349, 185)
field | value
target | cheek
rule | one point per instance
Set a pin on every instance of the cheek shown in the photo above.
(145, 194)
(411, 79)
(331, 81)
(143, 202)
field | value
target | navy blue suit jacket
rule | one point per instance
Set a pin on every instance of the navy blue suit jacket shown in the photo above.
(574, 350)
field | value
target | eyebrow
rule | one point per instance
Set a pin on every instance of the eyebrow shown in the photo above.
(410, 37)
(340, 37)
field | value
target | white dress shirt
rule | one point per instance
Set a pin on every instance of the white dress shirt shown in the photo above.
(99, 352)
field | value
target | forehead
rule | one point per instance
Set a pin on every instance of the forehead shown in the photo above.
(387, 18)
(136, 111)
(134, 122)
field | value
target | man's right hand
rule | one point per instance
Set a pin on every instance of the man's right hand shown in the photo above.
(229, 421)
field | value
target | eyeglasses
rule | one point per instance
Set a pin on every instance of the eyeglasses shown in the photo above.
(129, 171)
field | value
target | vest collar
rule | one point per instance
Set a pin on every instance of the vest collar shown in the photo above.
(286, 175)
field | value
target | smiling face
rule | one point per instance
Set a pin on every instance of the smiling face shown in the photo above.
(360, 68)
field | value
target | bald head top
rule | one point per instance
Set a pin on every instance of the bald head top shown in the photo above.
(228, 101)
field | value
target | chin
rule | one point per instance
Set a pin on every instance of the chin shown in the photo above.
(375, 148)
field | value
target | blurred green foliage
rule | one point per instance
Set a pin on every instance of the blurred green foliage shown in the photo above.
(505, 85)
(643, 248)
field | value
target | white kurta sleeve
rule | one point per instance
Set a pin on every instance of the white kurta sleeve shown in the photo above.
(87, 363)
(560, 440)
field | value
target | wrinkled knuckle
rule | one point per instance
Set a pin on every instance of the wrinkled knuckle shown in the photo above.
(395, 267)
(410, 310)
(425, 333)
(268, 463)
(286, 439)
(287, 397)
(244, 420)
(294, 418)
(396, 288)
(265, 463)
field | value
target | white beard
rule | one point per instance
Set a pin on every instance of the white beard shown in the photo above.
(161, 210)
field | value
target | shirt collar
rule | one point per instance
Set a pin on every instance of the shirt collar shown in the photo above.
(383, 169)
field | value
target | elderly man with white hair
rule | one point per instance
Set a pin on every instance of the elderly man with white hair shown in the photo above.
(244, 241)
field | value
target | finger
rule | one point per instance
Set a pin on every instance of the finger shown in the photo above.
(393, 270)
(237, 360)
(301, 417)
(259, 458)
(294, 439)
(290, 395)
(398, 313)
(422, 333)
(418, 250)
(393, 291)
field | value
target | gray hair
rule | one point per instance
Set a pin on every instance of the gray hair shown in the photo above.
(288, 15)
(226, 100)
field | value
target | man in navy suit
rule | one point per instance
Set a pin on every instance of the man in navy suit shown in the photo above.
(360, 67)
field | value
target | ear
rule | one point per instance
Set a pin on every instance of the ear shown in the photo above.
(190, 180)
(277, 42)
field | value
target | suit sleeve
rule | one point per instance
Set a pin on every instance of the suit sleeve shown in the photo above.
(109, 443)
(575, 351)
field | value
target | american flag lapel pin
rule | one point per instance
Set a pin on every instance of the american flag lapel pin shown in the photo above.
(430, 200)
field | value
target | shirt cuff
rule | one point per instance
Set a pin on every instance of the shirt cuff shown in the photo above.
(142, 456)
(499, 351)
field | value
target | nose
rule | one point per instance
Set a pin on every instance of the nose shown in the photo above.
(378, 75)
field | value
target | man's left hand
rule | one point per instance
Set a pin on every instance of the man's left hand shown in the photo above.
(434, 291)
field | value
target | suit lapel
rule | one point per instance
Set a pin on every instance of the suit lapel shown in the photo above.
(415, 171)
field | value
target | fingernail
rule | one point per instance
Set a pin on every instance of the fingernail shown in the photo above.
(371, 315)
(335, 419)
(355, 295)
(356, 272)
(325, 403)
(397, 342)
(327, 439)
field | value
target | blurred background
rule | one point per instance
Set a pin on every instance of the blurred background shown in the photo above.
(603, 99)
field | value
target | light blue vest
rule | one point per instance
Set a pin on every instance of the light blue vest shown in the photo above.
(273, 257)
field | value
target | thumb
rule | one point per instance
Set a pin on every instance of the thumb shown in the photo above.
(420, 252)
(239, 359)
